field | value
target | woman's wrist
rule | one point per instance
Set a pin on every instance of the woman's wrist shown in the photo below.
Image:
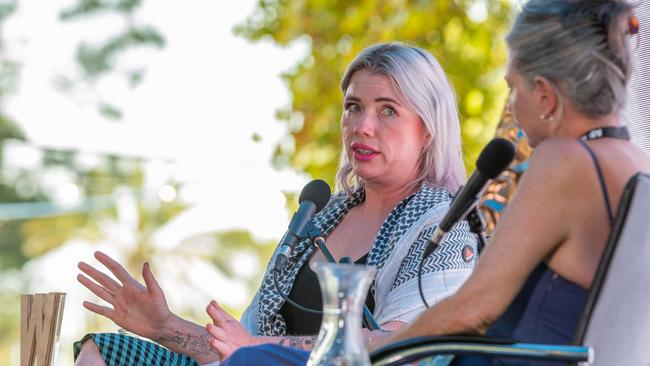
(305, 343)
(169, 328)
(184, 337)
(257, 340)
(376, 338)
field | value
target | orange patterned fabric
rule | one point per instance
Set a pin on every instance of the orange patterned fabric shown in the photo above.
(501, 189)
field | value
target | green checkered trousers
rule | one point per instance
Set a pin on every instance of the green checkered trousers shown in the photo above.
(122, 350)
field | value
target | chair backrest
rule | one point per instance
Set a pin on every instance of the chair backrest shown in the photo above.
(616, 321)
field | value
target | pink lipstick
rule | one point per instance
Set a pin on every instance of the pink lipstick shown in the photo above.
(363, 152)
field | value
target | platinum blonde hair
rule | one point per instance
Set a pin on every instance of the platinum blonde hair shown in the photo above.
(424, 84)
(580, 46)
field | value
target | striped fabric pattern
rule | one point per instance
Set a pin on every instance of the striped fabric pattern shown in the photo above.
(449, 256)
(637, 110)
(123, 350)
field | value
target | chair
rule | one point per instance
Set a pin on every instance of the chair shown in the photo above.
(615, 325)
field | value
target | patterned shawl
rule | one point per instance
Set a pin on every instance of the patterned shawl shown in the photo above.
(395, 253)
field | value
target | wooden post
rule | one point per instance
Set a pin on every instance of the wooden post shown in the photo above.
(40, 326)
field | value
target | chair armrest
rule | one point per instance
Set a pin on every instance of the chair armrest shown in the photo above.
(417, 348)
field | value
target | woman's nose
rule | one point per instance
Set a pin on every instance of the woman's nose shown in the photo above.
(365, 125)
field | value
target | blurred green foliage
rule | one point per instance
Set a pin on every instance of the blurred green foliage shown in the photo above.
(33, 224)
(84, 8)
(46, 226)
(465, 35)
(98, 59)
(24, 239)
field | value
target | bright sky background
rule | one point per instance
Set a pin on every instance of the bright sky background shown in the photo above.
(203, 96)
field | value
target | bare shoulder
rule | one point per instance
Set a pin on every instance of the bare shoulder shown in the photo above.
(565, 155)
(560, 160)
(561, 151)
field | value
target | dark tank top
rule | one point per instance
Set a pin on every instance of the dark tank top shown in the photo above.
(546, 309)
(306, 292)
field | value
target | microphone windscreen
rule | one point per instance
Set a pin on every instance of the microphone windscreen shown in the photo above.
(316, 191)
(495, 157)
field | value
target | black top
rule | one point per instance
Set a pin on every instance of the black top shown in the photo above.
(306, 292)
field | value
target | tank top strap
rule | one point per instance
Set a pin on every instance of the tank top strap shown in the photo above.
(601, 179)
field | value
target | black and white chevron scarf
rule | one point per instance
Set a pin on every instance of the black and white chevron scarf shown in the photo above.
(400, 219)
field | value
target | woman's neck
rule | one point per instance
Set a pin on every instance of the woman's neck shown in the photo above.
(580, 124)
(381, 200)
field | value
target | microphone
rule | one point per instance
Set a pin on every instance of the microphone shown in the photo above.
(313, 197)
(494, 159)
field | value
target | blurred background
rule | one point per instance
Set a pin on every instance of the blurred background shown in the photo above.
(181, 133)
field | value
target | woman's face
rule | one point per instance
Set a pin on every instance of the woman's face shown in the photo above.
(524, 106)
(383, 137)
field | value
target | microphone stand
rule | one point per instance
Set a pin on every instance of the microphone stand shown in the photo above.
(477, 226)
(319, 242)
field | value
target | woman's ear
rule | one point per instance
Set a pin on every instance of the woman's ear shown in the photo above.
(425, 142)
(545, 94)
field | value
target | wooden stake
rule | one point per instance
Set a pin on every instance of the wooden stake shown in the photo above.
(40, 326)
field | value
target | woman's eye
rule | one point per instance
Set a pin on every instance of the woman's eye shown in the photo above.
(389, 111)
(352, 107)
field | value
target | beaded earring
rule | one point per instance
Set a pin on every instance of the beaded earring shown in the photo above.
(633, 25)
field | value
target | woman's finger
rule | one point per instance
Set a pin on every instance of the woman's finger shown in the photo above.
(222, 348)
(115, 268)
(217, 315)
(96, 289)
(150, 281)
(216, 332)
(226, 315)
(101, 278)
(98, 309)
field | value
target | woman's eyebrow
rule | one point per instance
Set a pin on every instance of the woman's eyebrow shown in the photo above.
(387, 99)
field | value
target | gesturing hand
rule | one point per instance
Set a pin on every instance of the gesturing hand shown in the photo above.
(227, 332)
(136, 308)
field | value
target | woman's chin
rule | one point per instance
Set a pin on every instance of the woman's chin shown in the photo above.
(364, 171)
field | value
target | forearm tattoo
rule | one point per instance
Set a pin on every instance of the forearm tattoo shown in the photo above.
(192, 343)
(303, 343)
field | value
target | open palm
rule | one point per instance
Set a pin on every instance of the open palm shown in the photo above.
(140, 309)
